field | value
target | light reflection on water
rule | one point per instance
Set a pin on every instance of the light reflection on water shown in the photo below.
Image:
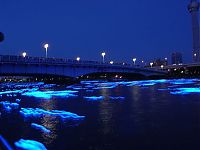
(122, 111)
(49, 122)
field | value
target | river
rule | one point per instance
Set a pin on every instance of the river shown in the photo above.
(101, 115)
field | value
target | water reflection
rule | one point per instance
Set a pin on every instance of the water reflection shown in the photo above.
(49, 122)
(106, 113)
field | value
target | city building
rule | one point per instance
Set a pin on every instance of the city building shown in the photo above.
(193, 8)
(177, 58)
(160, 62)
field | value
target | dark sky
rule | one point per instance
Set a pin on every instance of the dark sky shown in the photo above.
(124, 29)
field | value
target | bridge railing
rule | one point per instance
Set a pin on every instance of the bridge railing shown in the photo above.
(39, 60)
(66, 61)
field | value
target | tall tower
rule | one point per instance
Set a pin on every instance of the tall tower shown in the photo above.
(193, 8)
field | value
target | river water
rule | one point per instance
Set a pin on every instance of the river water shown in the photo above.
(100, 115)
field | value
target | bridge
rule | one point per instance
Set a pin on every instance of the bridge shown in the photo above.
(19, 65)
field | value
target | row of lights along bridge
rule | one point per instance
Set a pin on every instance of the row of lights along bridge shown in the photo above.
(103, 54)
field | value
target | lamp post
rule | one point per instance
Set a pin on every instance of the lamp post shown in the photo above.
(134, 59)
(46, 48)
(103, 55)
(151, 64)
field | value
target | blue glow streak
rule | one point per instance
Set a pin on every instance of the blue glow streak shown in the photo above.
(183, 91)
(183, 81)
(18, 100)
(117, 97)
(5, 143)
(50, 94)
(8, 107)
(38, 113)
(29, 145)
(94, 98)
(41, 128)
(89, 90)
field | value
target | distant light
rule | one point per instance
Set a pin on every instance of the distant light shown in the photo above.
(24, 54)
(111, 62)
(162, 66)
(165, 58)
(78, 58)
(195, 55)
(46, 46)
(123, 63)
(134, 59)
(151, 64)
(180, 64)
(103, 54)
(174, 64)
(142, 61)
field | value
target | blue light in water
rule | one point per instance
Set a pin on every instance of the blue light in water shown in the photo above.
(18, 100)
(89, 90)
(40, 127)
(8, 107)
(38, 113)
(29, 145)
(117, 97)
(49, 94)
(5, 143)
(93, 98)
(183, 81)
(183, 91)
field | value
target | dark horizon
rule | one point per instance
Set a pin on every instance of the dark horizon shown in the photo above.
(143, 29)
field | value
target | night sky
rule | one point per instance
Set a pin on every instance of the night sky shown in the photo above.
(124, 29)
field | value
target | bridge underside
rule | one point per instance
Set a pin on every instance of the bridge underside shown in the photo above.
(69, 70)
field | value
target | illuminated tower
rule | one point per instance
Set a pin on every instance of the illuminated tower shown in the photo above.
(193, 8)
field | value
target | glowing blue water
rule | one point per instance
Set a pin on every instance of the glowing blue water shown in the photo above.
(41, 128)
(50, 94)
(93, 98)
(8, 107)
(38, 113)
(150, 114)
(29, 145)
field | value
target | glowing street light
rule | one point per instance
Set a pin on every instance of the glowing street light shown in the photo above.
(134, 59)
(195, 55)
(24, 54)
(111, 62)
(151, 64)
(46, 48)
(78, 58)
(162, 66)
(103, 55)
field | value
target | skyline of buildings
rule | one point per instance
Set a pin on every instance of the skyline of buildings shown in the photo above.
(176, 58)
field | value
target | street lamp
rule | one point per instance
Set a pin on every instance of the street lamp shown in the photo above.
(46, 48)
(78, 58)
(111, 62)
(162, 66)
(134, 59)
(103, 55)
(151, 64)
(24, 54)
